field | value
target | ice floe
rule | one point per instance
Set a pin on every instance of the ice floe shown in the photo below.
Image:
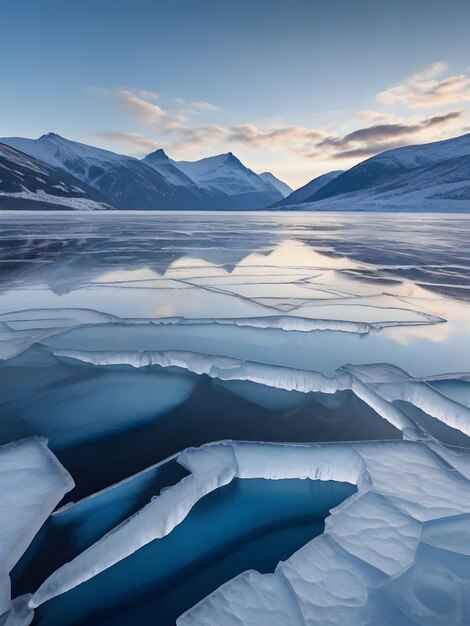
(32, 483)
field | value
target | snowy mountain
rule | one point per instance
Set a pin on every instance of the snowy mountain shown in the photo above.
(154, 182)
(280, 185)
(200, 198)
(302, 193)
(27, 183)
(127, 182)
(160, 162)
(429, 177)
(225, 174)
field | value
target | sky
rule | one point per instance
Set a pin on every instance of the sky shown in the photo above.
(295, 87)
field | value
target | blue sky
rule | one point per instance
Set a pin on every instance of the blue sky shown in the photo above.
(298, 87)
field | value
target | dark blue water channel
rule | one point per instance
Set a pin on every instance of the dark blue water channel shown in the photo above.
(248, 524)
(107, 423)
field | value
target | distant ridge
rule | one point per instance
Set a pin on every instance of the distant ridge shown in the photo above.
(154, 182)
(27, 183)
(427, 177)
(280, 185)
(301, 194)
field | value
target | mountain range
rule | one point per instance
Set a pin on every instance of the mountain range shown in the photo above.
(52, 172)
(154, 182)
(428, 177)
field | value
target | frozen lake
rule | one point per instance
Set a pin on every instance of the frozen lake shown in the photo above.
(126, 338)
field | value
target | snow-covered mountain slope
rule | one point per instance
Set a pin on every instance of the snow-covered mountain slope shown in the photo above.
(443, 187)
(226, 174)
(201, 198)
(276, 182)
(127, 182)
(302, 193)
(27, 183)
(160, 162)
(438, 171)
(429, 177)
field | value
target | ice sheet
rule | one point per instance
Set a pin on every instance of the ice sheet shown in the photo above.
(283, 301)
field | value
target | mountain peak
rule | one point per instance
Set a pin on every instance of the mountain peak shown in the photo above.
(51, 136)
(157, 155)
(231, 158)
(278, 184)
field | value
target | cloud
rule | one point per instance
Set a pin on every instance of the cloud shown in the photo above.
(130, 141)
(140, 104)
(189, 140)
(423, 89)
(146, 94)
(194, 106)
(378, 117)
(373, 139)
(197, 137)
(275, 137)
(386, 131)
(138, 107)
(171, 123)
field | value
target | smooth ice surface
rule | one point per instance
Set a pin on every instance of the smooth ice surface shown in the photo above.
(81, 410)
(224, 278)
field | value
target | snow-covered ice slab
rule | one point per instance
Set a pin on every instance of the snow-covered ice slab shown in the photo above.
(406, 492)
(32, 483)
(375, 384)
(392, 383)
(407, 499)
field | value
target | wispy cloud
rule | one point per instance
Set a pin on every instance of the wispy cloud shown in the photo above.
(134, 142)
(373, 139)
(172, 123)
(424, 89)
(191, 139)
(193, 106)
(136, 106)
(141, 105)
(275, 137)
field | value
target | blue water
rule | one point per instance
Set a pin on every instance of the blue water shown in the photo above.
(441, 431)
(75, 528)
(248, 524)
(107, 423)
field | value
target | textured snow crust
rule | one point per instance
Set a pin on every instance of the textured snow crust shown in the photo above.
(32, 482)
(357, 570)
(407, 499)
